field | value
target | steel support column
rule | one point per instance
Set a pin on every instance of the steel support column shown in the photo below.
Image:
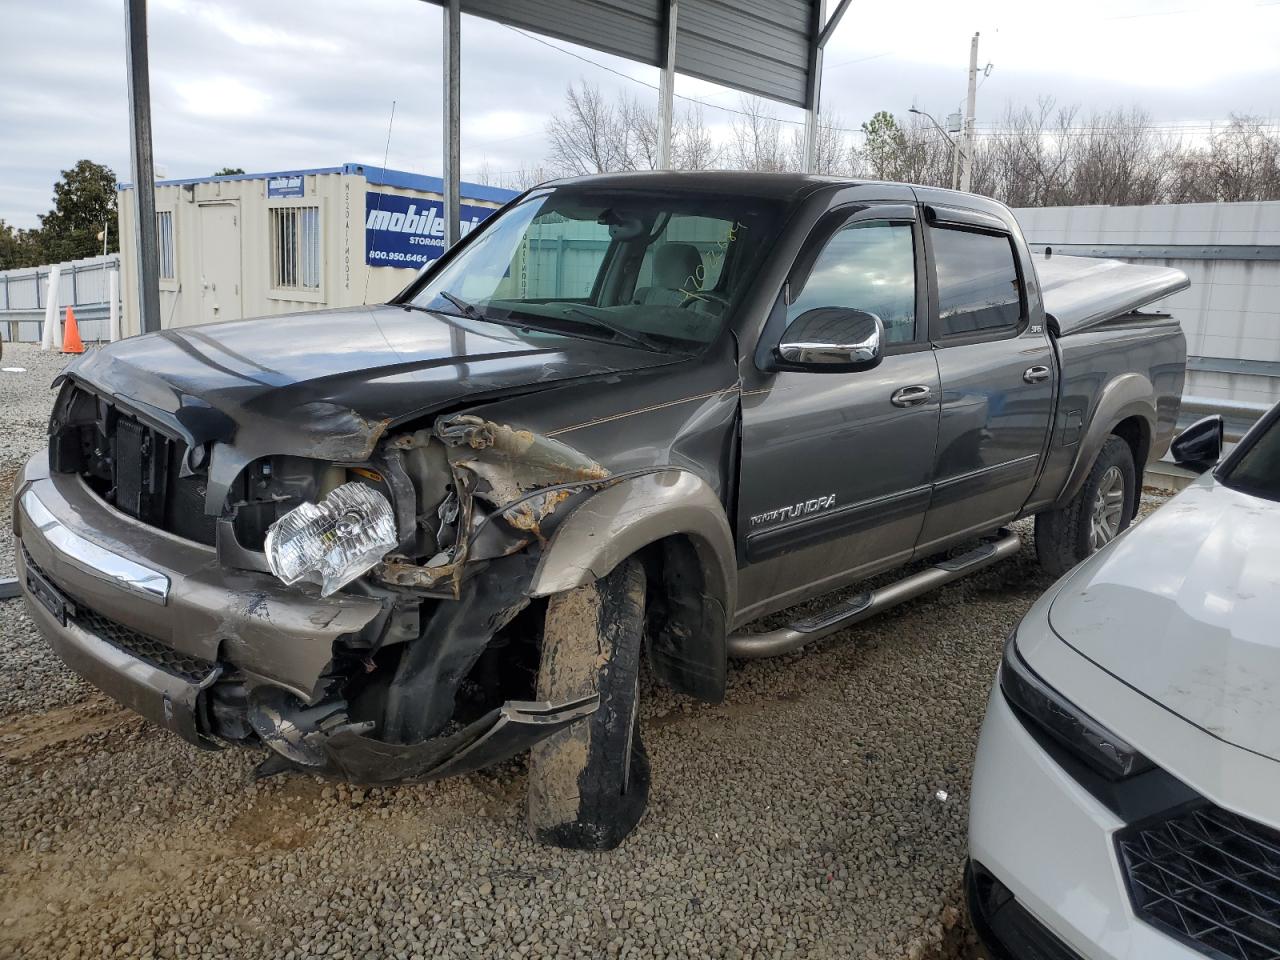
(142, 166)
(813, 93)
(452, 112)
(667, 88)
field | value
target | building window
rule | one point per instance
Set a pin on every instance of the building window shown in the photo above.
(164, 238)
(295, 248)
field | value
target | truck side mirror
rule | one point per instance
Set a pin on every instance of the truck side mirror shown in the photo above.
(832, 340)
(1200, 445)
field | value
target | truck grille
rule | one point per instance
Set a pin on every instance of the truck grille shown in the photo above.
(136, 468)
(1209, 878)
(148, 649)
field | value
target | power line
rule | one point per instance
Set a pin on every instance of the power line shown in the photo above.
(704, 103)
(987, 129)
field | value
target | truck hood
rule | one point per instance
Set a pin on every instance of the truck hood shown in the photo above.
(328, 383)
(1184, 609)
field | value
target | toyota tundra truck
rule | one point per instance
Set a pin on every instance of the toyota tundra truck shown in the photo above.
(624, 419)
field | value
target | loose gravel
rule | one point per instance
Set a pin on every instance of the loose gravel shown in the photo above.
(31, 677)
(25, 400)
(804, 817)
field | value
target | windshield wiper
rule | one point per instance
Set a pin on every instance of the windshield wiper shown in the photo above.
(639, 339)
(471, 312)
(468, 310)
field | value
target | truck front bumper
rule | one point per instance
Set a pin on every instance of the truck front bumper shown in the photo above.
(156, 623)
(153, 620)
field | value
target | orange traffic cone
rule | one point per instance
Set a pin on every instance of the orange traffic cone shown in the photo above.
(71, 334)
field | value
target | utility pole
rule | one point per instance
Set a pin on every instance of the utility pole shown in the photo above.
(966, 170)
(955, 123)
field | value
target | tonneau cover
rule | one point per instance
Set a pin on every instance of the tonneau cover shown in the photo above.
(1082, 291)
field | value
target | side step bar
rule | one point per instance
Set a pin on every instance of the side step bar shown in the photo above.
(753, 646)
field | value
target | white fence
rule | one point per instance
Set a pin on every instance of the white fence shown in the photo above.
(84, 286)
(1231, 252)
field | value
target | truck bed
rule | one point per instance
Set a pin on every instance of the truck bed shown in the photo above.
(1080, 292)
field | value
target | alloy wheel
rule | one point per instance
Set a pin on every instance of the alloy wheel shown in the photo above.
(1108, 508)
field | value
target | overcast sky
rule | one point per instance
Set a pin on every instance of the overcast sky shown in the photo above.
(309, 83)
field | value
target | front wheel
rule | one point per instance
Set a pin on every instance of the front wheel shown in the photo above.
(1095, 516)
(589, 783)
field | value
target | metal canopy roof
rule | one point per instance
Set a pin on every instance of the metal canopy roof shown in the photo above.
(763, 47)
(771, 48)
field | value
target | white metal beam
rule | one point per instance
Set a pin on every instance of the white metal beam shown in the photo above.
(813, 97)
(834, 22)
(667, 87)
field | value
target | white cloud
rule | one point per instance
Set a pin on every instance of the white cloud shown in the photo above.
(294, 84)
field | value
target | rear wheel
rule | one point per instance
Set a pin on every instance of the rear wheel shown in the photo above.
(1098, 514)
(589, 783)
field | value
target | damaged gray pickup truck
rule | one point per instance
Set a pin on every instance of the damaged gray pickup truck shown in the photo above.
(628, 414)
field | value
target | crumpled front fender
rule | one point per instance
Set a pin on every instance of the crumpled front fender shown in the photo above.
(677, 509)
(617, 522)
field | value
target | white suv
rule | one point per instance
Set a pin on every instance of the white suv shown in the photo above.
(1126, 795)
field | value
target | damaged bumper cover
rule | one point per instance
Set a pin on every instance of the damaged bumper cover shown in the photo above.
(329, 746)
(160, 638)
(145, 616)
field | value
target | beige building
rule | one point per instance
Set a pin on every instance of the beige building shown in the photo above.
(263, 244)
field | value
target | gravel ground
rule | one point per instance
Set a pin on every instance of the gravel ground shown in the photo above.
(25, 400)
(30, 677)
(802, 818)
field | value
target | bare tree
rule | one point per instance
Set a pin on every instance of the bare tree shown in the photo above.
(1039, 155)
(693, 147)
(590, 135)
(834, 155)
(1241, 162)
(757, 142)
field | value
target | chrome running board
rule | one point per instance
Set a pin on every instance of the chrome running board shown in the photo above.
(753, 646)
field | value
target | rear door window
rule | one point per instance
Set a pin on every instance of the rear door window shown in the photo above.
(979, 291)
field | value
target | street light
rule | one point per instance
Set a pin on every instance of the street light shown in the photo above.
(955, 147)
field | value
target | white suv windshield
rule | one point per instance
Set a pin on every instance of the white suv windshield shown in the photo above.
(628, 265)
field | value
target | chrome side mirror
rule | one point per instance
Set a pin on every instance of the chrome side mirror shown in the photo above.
(1199, 446)
(832, 340)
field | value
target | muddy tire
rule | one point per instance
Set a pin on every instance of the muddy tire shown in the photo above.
(1099, 513)
(589, 784)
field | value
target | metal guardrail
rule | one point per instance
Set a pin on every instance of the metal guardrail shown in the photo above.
(84, 285)
(1238, 415)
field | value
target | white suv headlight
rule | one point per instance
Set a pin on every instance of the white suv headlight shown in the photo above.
(334, 541)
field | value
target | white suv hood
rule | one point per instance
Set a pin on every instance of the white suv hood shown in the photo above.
(1186, 609)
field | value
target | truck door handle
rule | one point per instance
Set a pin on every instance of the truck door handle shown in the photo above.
(1037, 374)
(911, 396)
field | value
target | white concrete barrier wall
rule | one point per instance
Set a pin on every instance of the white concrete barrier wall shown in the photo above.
(1231, 252)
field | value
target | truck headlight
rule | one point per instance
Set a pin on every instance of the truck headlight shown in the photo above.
(334, 541)
(1038, 703)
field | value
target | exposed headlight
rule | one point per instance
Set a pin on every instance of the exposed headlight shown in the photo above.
(334, 541)
(1108, 754)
